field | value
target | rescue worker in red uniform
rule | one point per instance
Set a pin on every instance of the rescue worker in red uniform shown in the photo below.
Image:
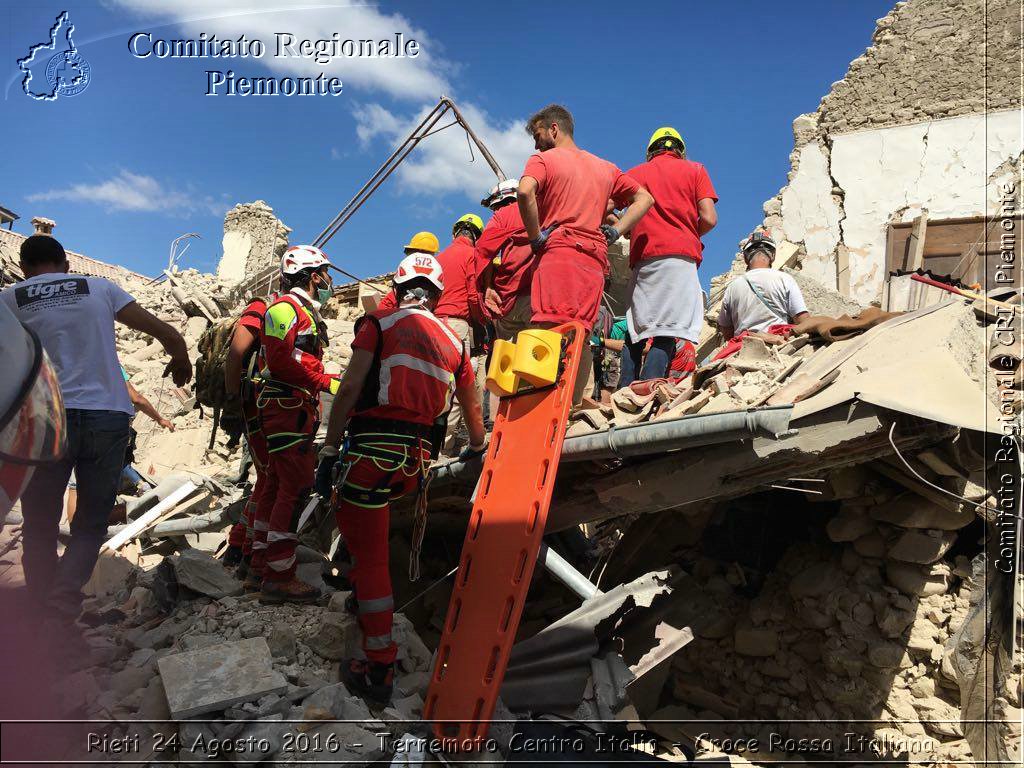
(406, 365)
(504, 263)
(563, 196)
(240, 380)
(292, 341)
(421, 242)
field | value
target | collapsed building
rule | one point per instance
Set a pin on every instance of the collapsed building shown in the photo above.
(797, 554)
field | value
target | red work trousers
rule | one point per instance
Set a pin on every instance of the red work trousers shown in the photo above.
(567, 285)
(364, 516)
(243, 534)
(289, 425)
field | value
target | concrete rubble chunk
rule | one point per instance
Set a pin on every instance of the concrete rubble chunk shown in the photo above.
(112, 573)
(916, 580)
(908, 510)
(214, 678)
(205, 575)
(921, 546)
(282, 641)
(849, 525)
(335, 635)
(756, 641)
(341, 704)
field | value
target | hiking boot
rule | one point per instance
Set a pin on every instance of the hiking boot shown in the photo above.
(253, 581)
(242, 571)
(291, 591)
(232, 557)
(370, 679)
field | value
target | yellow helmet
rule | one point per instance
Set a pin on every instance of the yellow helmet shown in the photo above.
(425, 242)
(470, 219)
(666, 138)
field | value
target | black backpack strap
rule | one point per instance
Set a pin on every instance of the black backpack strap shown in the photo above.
(368, 397)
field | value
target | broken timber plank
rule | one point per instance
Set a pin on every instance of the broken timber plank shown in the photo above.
(151, 516)
(915, 244)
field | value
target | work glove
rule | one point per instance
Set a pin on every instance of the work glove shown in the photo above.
(324, 482)
(611, 234)
(473, 452)
(537, 244)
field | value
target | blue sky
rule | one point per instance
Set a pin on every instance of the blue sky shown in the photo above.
(142, 155)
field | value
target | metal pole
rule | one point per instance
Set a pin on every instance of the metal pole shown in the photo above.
(386, 168)
(480, 145)
(563, 570)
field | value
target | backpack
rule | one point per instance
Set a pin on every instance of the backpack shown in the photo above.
(210, 391)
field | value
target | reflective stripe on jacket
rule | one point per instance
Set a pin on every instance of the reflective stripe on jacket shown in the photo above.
(292, 339)
(416, 367)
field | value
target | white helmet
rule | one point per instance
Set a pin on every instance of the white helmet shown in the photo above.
(300, 257)
(420, 265)
(502, 191)
(760, 239)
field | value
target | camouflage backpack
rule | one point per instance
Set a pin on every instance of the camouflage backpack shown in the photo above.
(210, 391)
(213, 353)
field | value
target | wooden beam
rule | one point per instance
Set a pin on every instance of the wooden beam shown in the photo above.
(915, 245)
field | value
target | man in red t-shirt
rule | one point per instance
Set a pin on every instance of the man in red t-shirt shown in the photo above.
(563, 198)
(459, 300)
(665, 250)
(504, 263)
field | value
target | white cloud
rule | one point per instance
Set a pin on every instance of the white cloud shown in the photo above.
(423, 77)
(129, 191)
(442, 162)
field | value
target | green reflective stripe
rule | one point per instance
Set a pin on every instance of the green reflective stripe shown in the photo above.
(366, 498)
(281, 440)
(279, 319)
(355, 503)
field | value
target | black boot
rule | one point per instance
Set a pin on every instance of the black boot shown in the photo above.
(369, 679)
(232, 557)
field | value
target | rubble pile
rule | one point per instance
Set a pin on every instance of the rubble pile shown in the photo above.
(189, 302)
(860, 629)
(761, 373)
(181, 642)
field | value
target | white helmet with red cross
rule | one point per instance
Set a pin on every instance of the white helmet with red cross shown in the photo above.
(420, 265)
(300, 257)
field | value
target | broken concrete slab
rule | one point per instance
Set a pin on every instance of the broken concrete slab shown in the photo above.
(214, 678)
(917, 580)
(341, 704)
(921, 546)
(282, 641)
(333, 639)
(113, 572)
(203, 574)
(908, 510)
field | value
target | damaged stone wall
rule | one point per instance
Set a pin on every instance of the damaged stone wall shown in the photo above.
(254, 240)
(905, 131)
(850, 638)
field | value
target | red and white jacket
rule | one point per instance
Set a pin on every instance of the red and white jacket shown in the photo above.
(419, 362)
(293, 338)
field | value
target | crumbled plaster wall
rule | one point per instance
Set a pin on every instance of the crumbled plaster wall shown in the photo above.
(254, 239)
(903, 132)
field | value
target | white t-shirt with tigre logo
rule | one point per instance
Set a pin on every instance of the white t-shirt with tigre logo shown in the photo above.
(73, 316)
